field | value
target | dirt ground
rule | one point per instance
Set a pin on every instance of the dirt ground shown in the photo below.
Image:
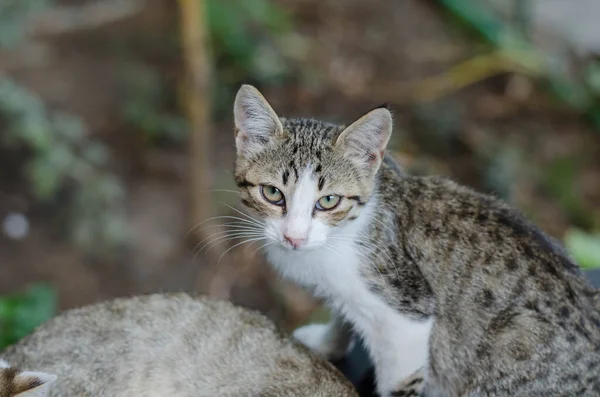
(358, 49)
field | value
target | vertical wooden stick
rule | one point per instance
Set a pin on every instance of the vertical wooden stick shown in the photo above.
(197, 100)
(198, 91)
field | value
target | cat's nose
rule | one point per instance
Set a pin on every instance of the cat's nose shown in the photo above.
(294, 242)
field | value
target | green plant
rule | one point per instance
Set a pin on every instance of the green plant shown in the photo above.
(22, 312)
(63, 158)
(144, 106)
(250, 41)
(13, 15)
(246, 38)
(584, 247)
(558, 179)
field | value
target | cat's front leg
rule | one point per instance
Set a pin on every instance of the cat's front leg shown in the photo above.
(330, 340)
(413, 385)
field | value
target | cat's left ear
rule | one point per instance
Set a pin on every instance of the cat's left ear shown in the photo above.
(364, 141)
(255, 121)
(32, 384)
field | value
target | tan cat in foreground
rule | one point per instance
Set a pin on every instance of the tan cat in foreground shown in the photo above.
(171, 345)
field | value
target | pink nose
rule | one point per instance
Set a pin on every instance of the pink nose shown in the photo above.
(295, 242)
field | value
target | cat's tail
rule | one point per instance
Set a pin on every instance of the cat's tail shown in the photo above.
(17, 383)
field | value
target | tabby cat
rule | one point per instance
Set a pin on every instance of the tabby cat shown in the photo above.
(171, 345)
(452, 291)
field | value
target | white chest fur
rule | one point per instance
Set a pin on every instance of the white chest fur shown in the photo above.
(398, 345)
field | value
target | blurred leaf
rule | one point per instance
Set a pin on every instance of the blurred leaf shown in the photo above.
(60, 153)
(227, 26)
(96, 154)
(248, 44)
(44, 178)
(68, 127)
(144, 103)
(594, 115)
(592, 76)
(266, 13)
(558, 178)
(585, 248)
(22, 312)
(13, 15)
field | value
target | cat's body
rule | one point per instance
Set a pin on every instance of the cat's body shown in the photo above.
(173, 345)
(429, 273)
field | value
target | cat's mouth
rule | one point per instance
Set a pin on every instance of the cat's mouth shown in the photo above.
(298, 246)
(291, 247)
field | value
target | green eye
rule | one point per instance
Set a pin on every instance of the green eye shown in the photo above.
(272, 195)
(327, 203)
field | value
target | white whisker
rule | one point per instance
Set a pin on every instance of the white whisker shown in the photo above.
(240, 243)
(223, 238)
(261, 247)
(217, 217)
(256, 221)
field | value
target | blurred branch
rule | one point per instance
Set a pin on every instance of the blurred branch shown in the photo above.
(69, 19)
(460, 76)
(197, 100)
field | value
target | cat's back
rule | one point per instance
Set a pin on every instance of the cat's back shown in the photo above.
(173, 344)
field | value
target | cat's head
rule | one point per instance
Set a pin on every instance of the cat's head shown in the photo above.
(305, 179)
(17, 383)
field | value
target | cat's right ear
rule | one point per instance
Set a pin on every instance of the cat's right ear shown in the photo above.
(32, 384)
(255, 121)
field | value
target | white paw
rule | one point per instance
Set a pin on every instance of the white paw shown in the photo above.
(317, 338)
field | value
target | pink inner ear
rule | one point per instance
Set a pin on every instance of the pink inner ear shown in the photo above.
(372, 157)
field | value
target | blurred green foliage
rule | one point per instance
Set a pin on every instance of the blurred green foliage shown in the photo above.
(64, 159)
(13, 15)
(580, 92)
(251, 41)
(584, 247)
(246, 38)
(145, 106)
(22, 312)
(236, 27)
(246, 46)
(558, 178)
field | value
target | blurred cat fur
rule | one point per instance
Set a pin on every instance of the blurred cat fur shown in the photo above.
(172, 345)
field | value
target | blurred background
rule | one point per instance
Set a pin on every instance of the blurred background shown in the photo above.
(116, 134)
